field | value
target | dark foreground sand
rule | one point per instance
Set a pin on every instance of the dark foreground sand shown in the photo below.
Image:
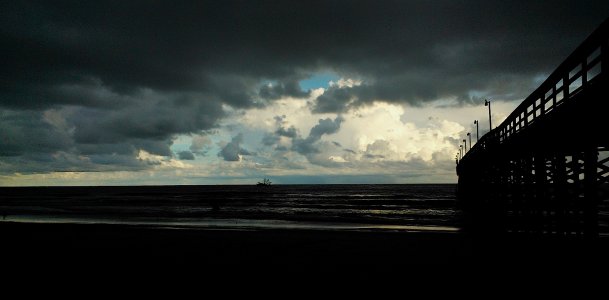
(120, 250)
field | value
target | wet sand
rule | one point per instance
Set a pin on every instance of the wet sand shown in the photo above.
(108, 243)
(92, 249)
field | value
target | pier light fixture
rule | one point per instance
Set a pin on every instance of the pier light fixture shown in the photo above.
(465, 145)
(477, 134)
(469, 135)
(488, 103)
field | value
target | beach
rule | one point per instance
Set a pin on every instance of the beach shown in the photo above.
(96, 249)
(327, 233)
(105, 244)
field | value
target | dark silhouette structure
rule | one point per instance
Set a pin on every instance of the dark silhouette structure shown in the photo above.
(545, 168)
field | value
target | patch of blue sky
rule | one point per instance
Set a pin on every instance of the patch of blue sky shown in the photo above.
(184, 141)
(320, 80)
(181, 143)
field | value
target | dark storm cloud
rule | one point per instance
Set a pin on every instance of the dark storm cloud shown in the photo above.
(27, 131)
(291, 132)
(186, 155)
(129, 75)
(335, 99)
(308, 145)
(270, 139)
(225, 48)
(311, 147)
(283, 89)
(144, 117)
(66, 162)
(325, 126)
(232, 151)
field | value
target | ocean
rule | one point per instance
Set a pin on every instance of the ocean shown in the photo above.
(409, 207)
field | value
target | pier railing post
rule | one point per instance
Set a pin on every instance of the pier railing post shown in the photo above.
(540, 186)
(561, 196)
(590, 193)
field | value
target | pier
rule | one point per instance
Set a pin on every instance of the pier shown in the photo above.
(545, 169)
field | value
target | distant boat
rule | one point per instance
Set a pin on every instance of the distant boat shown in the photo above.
(265, 182)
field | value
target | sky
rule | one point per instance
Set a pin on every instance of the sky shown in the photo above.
(230, 92)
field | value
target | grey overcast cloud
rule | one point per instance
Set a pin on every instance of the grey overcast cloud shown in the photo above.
(227, 92)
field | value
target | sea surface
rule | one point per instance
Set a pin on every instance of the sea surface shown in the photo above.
(413, 207)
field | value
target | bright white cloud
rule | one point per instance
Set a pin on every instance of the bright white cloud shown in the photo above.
(370, 138)
(345, 82)
(382, 130)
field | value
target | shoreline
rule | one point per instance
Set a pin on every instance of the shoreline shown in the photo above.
(227, 223)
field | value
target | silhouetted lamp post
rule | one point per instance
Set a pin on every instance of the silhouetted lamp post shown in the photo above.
(469, 135)
(465, 146)
(477, 134)
(461, 150)
(488, 103)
